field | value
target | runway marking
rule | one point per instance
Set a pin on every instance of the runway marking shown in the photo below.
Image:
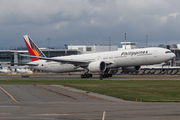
(53, 114)
(5, 113)
(9, 95)
(9, 106)
(85, 94)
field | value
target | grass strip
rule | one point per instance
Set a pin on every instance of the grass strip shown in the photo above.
(147, 90)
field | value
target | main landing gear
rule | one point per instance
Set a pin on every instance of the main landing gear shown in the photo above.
(104, 76)
(86, 75)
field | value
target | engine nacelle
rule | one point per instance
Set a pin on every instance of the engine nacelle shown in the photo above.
(131, 69)
(97, 66)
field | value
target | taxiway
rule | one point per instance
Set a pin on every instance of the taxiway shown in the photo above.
(56, 102)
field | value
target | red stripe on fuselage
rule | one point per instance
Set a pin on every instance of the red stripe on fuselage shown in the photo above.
(31, 53)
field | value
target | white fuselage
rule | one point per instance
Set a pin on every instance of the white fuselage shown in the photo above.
(123, 58)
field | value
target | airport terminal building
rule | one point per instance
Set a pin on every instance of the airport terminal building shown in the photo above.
(13, 56)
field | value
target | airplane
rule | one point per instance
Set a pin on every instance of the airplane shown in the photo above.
(3, 70)
(24, 70)
(128, 60)
(13, 70)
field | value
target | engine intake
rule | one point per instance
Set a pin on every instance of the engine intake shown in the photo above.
(97, 66)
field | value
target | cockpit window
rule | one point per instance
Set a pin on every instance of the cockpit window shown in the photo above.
(168, 52)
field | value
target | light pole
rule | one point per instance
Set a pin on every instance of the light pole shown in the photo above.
(65, 49)
(125, 41)
(48, 47)
(109, 43)
(146, 40)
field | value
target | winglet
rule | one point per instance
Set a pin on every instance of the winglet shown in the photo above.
(32, 48)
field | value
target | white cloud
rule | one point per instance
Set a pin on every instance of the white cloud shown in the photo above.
(164, 18)
(61, 24)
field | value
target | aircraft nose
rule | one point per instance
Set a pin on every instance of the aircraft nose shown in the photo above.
(173, 55)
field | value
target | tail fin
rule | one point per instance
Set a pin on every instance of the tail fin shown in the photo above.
(32, 48)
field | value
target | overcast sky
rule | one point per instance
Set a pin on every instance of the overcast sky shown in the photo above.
(81, 22)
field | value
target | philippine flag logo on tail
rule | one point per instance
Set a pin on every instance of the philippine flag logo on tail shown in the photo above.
(32, 48)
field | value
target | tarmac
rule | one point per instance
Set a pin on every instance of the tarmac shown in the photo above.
(57, 102)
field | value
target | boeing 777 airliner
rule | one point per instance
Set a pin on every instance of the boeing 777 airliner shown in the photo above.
(129, 60)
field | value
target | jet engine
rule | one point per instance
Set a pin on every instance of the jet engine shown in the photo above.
(97, 66)
(131, 69)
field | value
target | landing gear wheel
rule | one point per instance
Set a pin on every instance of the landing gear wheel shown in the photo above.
(82, 76)
(105, 76)
(86, 75)
(110, 75)
(101, 77)
(90, 75)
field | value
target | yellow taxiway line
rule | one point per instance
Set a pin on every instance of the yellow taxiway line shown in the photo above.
(9, 95)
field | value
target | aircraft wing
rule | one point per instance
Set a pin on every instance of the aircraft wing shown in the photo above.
(75, 62)
(81, 63)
